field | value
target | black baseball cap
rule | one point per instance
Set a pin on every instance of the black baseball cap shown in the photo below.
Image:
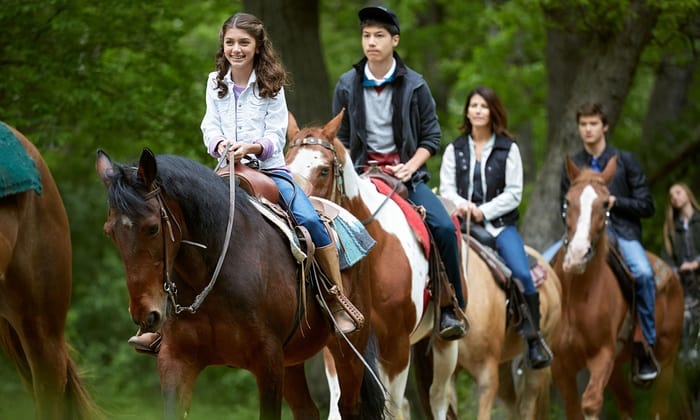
(379, 14)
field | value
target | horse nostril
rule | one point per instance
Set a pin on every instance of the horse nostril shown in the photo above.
(153, 319)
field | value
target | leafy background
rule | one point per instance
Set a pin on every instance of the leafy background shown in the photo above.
(77, 76)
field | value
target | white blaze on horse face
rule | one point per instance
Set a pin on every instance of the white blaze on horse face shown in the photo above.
(126, 221)
(305, 161)
(580, 244)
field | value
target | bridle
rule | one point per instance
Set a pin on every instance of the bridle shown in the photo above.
(564, 210)
(166, 216)
(338, 178)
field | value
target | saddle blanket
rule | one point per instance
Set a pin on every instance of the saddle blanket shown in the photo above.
(18, 171)
(412, 216)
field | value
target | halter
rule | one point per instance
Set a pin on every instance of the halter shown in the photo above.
(338, 179)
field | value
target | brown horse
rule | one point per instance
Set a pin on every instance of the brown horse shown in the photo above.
(493, 352)
(167, 217)
(596, 327)
(35, 291)
(400, 314)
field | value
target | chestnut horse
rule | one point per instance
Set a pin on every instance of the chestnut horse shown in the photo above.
(35, 284)
(167, 218)
(493, 353)
(596, 327)
(400, 315)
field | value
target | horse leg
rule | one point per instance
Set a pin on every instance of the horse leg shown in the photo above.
(297, 395)
(487, 382)
(565, 379)
(444, 363)
(619, 386)
(344, 373)
(177, 378)
(662, 388)
(393, 367)
(600, 368)
(506, 389)
(333, 385)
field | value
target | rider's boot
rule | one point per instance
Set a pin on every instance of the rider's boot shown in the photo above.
(146, 342)
(538, 353)
(347, 317)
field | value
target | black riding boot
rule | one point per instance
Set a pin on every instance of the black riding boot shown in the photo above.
(538, 353)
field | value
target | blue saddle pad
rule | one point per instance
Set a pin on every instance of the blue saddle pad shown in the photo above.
(355, 241)
(18, 171)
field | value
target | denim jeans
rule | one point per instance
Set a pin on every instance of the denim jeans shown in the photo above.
(304, 212)
(443, 230)
(636, 259)
(512, 250)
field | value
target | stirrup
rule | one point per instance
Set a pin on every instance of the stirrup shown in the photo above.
(340, 303)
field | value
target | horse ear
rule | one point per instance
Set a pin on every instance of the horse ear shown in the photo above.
(292, 126)
(609, 171)
(332, 127)
(104, 168)
(572, 170)
(147, 167)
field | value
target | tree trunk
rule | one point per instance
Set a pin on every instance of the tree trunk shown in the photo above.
(293, 26)
(585, 64)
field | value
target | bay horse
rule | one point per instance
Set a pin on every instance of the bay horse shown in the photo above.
(493, 353)
(167, 217)
(596, 326)
(35, 285)
(398, 268)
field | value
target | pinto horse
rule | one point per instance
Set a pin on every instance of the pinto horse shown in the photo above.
(493, 353)
(398, 267)
(35, 286)
(167, 218)
(596, 327)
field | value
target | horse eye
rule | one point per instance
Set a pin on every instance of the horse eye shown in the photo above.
(153, 229)
(325, 171)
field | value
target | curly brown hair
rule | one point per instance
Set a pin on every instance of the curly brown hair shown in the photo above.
(270, 72)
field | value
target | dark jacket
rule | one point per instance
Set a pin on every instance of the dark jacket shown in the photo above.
(680, 251)
(414, 123)
(633, 199)
(495, 173)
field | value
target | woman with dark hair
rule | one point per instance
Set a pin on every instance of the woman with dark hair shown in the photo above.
(482, 174)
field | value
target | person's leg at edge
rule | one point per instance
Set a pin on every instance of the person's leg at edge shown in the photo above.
(512, 250)
(326, 252)
(635, 256)
(443, 231)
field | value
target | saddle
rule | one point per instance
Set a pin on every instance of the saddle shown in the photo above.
(254, 182)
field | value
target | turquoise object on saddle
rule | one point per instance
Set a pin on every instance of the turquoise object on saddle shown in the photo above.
(18, 171)
(355, 241)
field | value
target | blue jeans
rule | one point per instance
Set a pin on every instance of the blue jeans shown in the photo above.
(296, 200)
(636, 259)
(512, 250)
(550, 252)
(443, 230)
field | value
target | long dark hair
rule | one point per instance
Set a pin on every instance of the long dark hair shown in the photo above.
(497, 114)
(270, 72)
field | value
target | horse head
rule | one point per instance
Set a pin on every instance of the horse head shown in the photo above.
(138, 225)
(586, 211)
(317, 157)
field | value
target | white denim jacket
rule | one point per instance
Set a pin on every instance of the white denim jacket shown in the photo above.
(250, 119)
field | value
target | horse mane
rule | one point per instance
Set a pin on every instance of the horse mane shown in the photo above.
(202, 195)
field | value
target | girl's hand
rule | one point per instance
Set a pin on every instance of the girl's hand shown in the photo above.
(401, 171)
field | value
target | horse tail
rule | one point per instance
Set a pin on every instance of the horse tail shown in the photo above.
(372, 392)
(80, 404)
(9, 341)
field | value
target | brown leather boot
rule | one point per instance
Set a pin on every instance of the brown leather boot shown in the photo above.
(347, 317)
(146, 342)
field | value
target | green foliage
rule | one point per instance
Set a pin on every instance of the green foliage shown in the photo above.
(81, 75)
